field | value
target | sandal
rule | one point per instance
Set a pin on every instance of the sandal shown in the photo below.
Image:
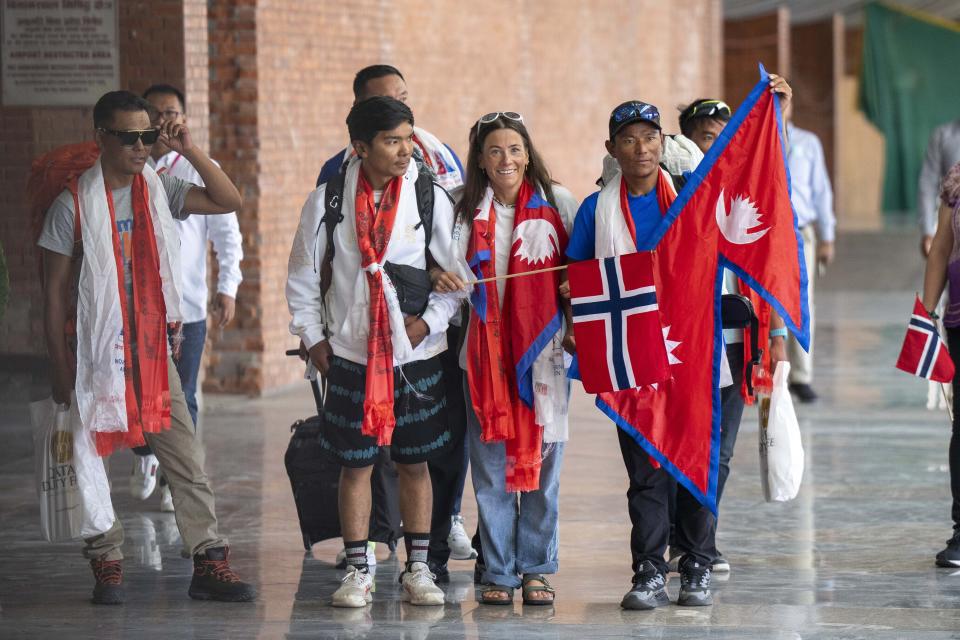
(495, 588)
(528, 588)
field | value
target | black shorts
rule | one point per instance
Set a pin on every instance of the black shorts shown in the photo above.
(419, 404)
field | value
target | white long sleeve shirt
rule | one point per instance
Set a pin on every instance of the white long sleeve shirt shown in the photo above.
(943, 151)
(406, 246)
(812, 195)
(195, 231)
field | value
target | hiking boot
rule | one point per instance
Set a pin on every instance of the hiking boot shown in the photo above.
(143, 478)
(355, 589)
(649, 589)
(108, 588)
(694, 584)
(419, 587)
(213, 579)
(950, 557)
(459, 541)
(804, 392)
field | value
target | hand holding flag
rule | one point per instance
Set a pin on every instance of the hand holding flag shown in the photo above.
(923, 353)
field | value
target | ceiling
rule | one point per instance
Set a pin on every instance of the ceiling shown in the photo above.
(813, 10)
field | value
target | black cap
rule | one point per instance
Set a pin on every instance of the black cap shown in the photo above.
(633, 111)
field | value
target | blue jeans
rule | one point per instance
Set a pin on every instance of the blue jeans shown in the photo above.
(188, 369)
(519, 533)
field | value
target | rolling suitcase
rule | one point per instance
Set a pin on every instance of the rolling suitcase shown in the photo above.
(315, 481)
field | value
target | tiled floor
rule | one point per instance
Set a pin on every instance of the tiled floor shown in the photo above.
(851, 557)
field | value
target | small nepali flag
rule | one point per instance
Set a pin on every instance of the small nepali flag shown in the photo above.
(616, 323)
(923, 353)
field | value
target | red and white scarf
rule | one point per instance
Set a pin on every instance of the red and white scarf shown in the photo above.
(109, 375)
(503, 346)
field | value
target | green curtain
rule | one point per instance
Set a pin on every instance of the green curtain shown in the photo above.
(908, 87)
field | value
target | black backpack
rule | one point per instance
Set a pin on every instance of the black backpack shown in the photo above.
(333, 202)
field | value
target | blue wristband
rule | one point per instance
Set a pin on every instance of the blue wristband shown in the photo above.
(778, 333)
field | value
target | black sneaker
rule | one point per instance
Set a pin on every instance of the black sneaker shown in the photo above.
(109, 582)
(441, 571)
(720, 564)
(804, 392)
(694, 584)
(950, 557)
(649, 589)
(213, 579)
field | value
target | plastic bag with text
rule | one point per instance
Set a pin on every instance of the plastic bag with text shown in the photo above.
(781, 451)
(71, 479)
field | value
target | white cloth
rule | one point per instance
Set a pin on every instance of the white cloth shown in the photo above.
(195, 231)
(100, 384)
(347, 304)
(810, 190)
(449, 179)
(551, 388)
(613, 238)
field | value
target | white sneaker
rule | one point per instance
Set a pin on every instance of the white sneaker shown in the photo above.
(143, 478)
(419, 587)
(459, 541)
(341, 562)
(166, 499)
(355, 589)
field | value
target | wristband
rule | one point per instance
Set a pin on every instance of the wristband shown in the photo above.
(778, 333)
(933, 314)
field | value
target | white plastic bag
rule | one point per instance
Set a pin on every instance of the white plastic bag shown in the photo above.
(71, 480)
(781, 451)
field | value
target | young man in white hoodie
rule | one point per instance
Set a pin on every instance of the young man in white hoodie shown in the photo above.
(384, 376)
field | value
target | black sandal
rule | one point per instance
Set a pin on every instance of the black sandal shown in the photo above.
(495, 588)
(528, 588)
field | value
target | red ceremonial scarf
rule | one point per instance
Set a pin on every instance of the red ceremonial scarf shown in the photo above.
(666, 194)
(374, 227)
(145, 373)
(503, 345)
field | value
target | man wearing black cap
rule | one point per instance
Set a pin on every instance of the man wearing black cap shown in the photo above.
(636, 142)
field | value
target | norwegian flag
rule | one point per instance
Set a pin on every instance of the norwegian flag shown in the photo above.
(733, 212)
(617, 324)
(923, 353)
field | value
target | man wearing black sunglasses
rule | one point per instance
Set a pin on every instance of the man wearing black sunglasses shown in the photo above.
(124, 231)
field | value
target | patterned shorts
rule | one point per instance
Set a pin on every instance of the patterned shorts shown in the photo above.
(420, 406)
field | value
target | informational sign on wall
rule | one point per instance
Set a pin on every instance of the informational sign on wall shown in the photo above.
(59, 52)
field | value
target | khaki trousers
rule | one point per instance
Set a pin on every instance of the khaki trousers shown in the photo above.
(181, 457)
(801, 362)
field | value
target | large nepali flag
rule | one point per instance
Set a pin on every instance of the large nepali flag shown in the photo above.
(617, 323)
(734, 212)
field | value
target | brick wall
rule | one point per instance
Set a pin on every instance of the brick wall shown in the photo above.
(562, 64)
(151, 37)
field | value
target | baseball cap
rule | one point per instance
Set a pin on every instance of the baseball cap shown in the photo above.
(633, 111)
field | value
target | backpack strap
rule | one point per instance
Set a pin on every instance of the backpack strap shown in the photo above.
(332, 204)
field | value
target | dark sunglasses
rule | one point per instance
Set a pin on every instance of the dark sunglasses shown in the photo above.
(129, 138)
(635, 110)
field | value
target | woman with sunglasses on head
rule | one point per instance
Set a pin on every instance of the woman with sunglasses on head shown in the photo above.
(512, 218)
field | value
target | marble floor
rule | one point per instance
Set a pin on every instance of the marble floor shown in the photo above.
(851, 557)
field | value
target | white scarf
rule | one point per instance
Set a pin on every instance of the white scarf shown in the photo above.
(100, 385)
(357, 322)
(450, 179)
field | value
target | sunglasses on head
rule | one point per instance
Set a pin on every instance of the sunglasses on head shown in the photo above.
(492, 117)
(129, 138)
(635, 110)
